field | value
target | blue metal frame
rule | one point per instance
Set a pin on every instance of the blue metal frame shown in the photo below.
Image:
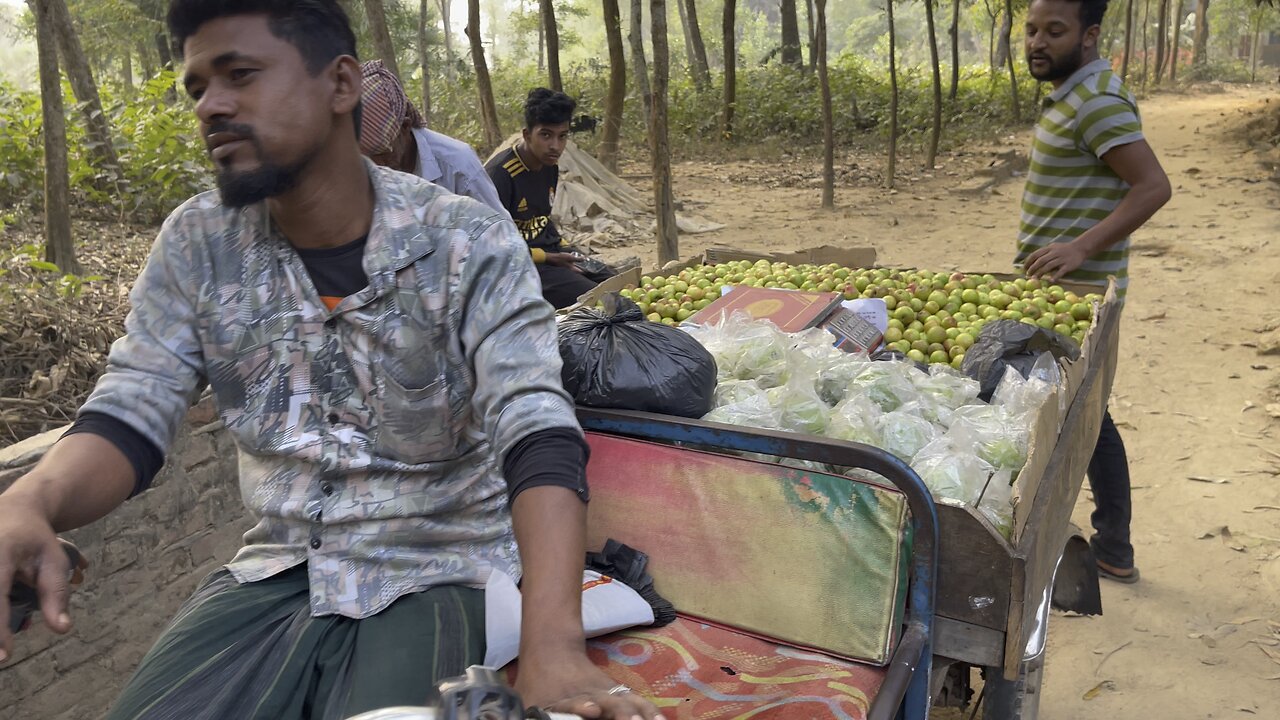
(906, 685)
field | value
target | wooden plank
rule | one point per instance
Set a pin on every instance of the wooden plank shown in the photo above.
(974, 564)
(973, 644)
(1048, 519)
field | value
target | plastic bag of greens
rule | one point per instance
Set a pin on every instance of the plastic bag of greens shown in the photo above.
(946, 389)
(855, 420)
(835, 378)
(1013, 344)
(997, 502)
(884, 383)
(744, 348)
(818, 345)
(905, 432)
(729, 392)
(800, 407)
(754, 411)
(1024, 396)
(998, 437)
(951, 470)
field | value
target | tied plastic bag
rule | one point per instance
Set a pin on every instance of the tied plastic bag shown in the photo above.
(951, 470)
(802, 410)
(885, 383)
(997, 502)
(1024, 396)
(904, 432)
(745, 348)
(835, 378)
(607, 606)
(614, 358)
(855, 420)
(945, 390)
(754, 411)
(1011, 343)
(999, 437)
(729, 392)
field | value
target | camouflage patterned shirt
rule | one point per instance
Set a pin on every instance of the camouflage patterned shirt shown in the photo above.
(370, 437)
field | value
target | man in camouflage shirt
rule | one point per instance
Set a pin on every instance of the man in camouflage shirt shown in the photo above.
(380, 352)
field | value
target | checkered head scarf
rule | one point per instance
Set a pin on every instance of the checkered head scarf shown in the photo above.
(383, 109)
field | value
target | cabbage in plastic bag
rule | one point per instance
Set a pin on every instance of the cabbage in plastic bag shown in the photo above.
(946, 390)
(855, 420)
(800, 408)
(835, 378)
(1025, 396)
(754, 411)
(745, 348)
(997, 503)
(885, 383)
(999, 437)
(951, 470)
(904, 432)
(729, 392)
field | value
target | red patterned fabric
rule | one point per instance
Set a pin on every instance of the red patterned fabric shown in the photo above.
(695, 671)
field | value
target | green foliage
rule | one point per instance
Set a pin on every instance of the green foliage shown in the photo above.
(162, 159)
(44, 273)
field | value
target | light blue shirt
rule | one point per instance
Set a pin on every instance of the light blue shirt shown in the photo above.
(454, 166)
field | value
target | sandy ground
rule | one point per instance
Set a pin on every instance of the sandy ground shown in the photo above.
(1199, 637)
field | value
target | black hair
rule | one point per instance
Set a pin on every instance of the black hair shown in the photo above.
(319, 29)
(1091, 12)
(547, 107)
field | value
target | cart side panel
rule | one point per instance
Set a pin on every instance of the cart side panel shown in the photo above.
(974, 566)
(1049, 516)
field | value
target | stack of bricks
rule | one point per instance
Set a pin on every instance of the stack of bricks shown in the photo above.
(145, 559)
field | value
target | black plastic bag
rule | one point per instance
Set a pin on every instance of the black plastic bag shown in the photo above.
(1006, 343)
(615, 358)
(628, 566)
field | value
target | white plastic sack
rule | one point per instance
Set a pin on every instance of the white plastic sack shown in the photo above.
(607, 606)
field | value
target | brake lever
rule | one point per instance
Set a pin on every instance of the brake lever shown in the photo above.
(24, 599)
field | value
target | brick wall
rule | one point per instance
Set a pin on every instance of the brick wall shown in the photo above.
(146, 558)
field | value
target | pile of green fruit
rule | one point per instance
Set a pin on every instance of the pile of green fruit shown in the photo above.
(933, 317)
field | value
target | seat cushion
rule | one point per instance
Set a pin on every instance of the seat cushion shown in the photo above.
(695, 671)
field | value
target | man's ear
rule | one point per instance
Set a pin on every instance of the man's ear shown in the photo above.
(347, 84)
(524, 133)
(1091, 36)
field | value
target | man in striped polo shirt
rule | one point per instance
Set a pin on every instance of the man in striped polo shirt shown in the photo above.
(1093, 180)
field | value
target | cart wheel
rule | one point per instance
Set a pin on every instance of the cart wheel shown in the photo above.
(1014, 699)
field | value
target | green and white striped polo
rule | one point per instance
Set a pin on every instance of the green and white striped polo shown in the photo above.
(1069, 187)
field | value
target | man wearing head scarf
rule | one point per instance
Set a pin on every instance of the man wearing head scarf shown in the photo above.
(393, 135)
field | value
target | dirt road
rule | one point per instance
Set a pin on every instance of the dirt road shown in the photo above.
(1199, 637)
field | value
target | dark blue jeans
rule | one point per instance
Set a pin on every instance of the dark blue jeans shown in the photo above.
(1113, 507)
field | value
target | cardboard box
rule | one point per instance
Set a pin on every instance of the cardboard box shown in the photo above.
(613, 284)
(790, 310)
(859, 257)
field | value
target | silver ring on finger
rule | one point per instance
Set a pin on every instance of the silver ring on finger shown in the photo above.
(619, 690)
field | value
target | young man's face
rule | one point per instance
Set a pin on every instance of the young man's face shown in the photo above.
(546, 142)
(1056, 39)
(262, 115)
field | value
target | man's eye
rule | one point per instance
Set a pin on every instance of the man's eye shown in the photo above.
(241, 74)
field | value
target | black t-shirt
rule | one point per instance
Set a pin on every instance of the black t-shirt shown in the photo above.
(528, 195)
(336, 272)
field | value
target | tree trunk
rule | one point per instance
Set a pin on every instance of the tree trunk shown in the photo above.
(1146, 46)
(663, 199)
(1257, 38)
(1178, 17)
(729, 38)
(698, 57)
(85, 89)
(617, 86)
(790, 34)
(1013, 74)
(684, 33)
(144, 58)
(382, 44)
(954, 32)
(1128, 41)
(892, 170)
(58, 248)
(553, 44)
(993, 15)
(935, 134)
(126, 73)
(640, 68)
(1162, 32)
(488, 109)
(542, 44)
(423, 63)
(163, 50)
(1200, 44)
(828, 122)
(813, 34)
(448, 38)
(1002, 40)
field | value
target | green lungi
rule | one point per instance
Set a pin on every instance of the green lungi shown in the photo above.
(253, 652)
